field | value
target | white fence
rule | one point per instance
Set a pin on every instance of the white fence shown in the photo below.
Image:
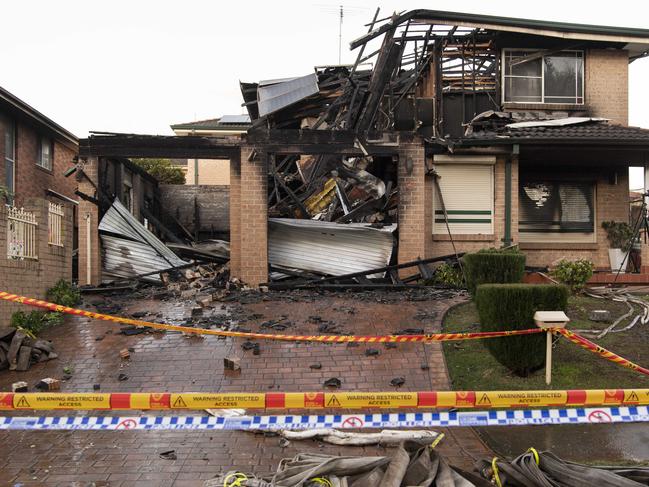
(21, 234)
(55, 224)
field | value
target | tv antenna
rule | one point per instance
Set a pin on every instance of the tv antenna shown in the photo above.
(342, 11)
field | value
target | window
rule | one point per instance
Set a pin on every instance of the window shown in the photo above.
(21, 234)
(55, 217)
(467, 191)
(560, 211)
(535, 77)
(127, 190)
(45, 153)
(10, 157)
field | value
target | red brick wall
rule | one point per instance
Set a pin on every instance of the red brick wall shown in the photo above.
(31, 180)
(33, 277)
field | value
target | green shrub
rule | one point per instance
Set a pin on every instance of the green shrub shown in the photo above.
(574, 274)
(512, 307)
(619, 234)
(35, 321)
(495, 266)
(448, 275)
(64, 293)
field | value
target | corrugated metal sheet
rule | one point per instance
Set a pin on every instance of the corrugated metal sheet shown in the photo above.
(129, 249)
(273, 97)
(328, 248)
(237, 119)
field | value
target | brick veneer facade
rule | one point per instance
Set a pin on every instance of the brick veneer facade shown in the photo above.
(249, 217)
(33, 277)
(606, 84)
(32, 181)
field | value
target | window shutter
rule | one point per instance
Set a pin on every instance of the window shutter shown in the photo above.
(467, 190)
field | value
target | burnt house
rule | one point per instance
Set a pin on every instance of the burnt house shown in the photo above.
(451, 132)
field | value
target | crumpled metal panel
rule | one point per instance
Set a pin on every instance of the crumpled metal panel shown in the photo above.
(275, 96)
(328, 248)
(129, 249)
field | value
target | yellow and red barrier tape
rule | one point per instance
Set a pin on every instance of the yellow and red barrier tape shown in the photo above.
(323, 400)
(433, 337)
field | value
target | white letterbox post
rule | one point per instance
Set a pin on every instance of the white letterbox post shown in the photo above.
(548, 320)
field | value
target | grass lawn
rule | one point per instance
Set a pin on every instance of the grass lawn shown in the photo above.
(472, 367)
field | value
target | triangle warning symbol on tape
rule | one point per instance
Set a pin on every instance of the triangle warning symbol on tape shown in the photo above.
(484, 399)
(22, 403)
(179, 403)
(333, 401)
(633, 397)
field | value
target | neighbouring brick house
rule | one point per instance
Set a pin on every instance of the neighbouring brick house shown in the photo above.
(523, 123)
(36, 217)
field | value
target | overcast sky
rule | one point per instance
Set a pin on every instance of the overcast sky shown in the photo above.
(141, 65)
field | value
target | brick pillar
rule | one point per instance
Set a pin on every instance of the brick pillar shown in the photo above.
(89, 273)
(414, 228)
(235, 215)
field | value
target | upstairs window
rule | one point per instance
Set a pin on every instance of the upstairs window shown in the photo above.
(538, 77)
(45, 154)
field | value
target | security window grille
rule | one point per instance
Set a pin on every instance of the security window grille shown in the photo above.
(556, 207)
(45, 154)
(535, 77)
(21, 234)
(468, 194)
(55, 224)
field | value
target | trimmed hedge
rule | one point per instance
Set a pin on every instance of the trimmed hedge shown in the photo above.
(512, 307)
(493, 266)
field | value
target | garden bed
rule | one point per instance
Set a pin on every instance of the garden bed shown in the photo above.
(472, 367)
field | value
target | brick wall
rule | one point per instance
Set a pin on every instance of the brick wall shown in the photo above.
(253, 218)
(31, 180)
(212, 201)
(33, 277)
(415, 204)
(607, 84)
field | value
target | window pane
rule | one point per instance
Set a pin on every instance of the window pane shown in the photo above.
(562, 76)
(9, 175)
(515, 66)
(46, 154)
(9, 129)
(556, 207)
(523, 90)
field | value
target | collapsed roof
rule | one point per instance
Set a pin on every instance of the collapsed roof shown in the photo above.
(391, 86)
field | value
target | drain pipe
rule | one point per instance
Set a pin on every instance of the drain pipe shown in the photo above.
(88, 253)
(507, 239)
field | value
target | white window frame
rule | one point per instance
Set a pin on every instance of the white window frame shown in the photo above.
(487, 161)
(39, 161)
(504, 76)
(12, 124)
(22, 234)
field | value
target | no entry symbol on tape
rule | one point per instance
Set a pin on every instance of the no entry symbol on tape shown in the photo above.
(599, 416)
(353, 422)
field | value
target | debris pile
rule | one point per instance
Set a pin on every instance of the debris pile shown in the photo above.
(18, 350)
(201, 282)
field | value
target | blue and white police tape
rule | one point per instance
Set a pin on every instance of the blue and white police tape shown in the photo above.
(353, 421)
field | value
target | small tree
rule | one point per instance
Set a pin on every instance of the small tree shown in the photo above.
(162, 170)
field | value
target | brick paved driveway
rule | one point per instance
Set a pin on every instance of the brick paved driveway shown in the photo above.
(174, 363)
